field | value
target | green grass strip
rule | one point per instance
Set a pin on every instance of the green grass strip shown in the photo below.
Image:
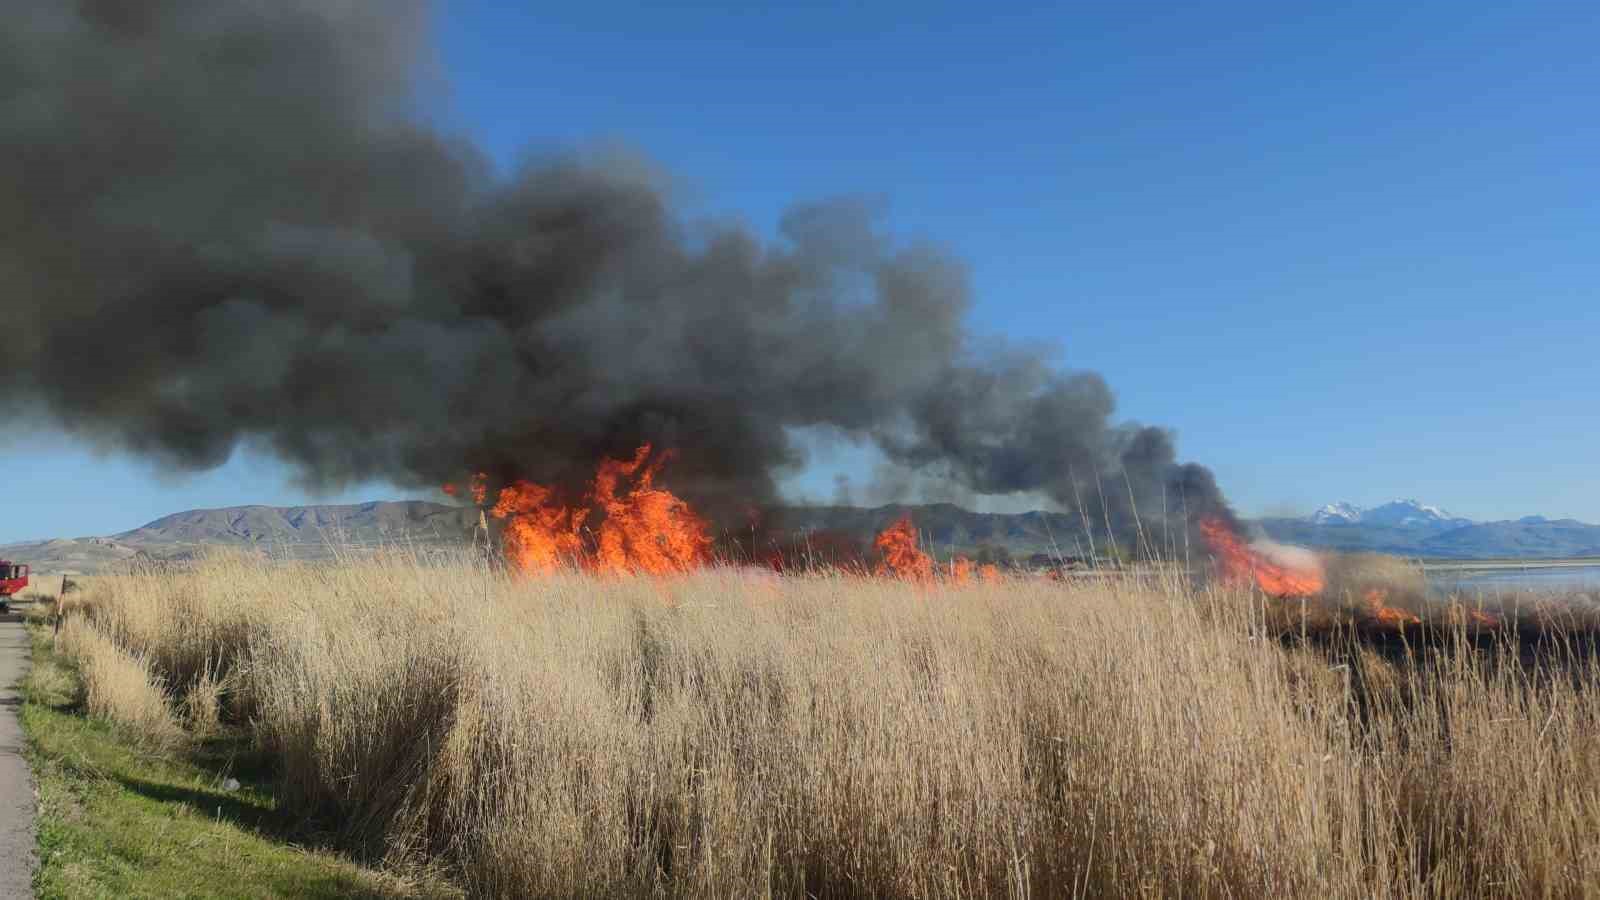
(115, 821)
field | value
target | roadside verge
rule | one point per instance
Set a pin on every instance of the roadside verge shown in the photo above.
(116, 818)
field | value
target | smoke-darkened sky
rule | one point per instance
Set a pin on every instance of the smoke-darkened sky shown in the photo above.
(1304, 262)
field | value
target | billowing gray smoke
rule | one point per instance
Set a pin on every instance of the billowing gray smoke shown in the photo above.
(225, 224)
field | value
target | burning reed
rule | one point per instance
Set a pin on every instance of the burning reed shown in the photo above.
(738, 733)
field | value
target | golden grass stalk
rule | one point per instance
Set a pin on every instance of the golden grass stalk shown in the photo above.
(121, 687)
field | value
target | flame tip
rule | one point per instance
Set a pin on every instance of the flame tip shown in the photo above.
(641, 528)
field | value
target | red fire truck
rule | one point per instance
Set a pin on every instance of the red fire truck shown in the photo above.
(13, 578)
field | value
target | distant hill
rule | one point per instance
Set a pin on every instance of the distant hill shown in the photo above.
(1404, 528)
(1520, 538)
(945, 526)
(69, 555)
(301, 532)
(357, 524)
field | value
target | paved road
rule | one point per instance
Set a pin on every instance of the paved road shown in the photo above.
(16, 784)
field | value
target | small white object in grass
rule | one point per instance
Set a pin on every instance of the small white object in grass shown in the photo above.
(230, 784)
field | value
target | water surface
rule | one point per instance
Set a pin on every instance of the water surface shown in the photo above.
(1557, 579)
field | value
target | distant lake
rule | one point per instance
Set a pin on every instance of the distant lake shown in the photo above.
(1568, 578)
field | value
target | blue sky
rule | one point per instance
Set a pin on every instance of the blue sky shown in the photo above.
(1347, 254)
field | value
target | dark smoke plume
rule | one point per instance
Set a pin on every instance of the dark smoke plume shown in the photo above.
(225, 224)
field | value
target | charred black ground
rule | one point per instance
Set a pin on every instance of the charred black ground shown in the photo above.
(226, 224)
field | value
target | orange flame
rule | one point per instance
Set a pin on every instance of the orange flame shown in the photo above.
(1460, 614)
(479, 486)
(541, 535)
(902, 558)
(646, 529)
(1378, 607)
(641, 528)
(1238, 563)
(963, 570)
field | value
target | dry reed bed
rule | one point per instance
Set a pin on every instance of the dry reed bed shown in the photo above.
(732, 734)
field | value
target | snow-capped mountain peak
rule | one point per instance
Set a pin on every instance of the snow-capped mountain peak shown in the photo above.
(1408, 513)
(1396, 513)
(1338, 514)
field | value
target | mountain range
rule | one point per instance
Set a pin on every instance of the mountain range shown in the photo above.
(1411, 528)
(1403, 513)
(319, 532)
(1403, 527)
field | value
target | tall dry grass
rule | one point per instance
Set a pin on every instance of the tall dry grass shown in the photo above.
(121, 687)
(737, 735)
